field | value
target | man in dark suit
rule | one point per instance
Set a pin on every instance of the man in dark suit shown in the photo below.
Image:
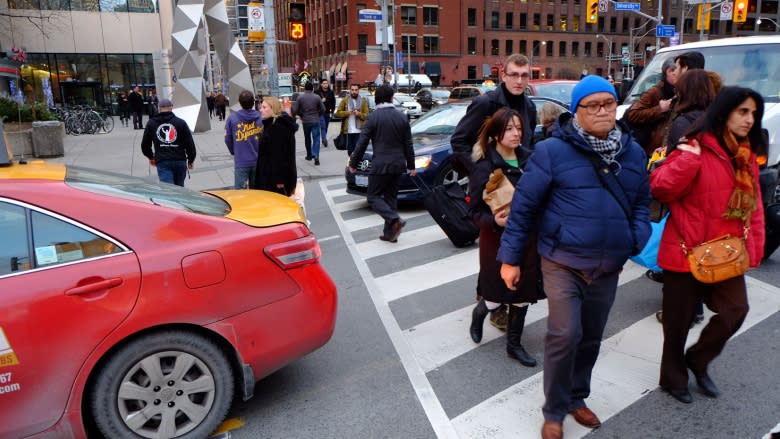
(389, 132)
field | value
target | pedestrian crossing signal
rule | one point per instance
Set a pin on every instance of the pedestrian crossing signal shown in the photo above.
(297, 31)
(592, 11)
(740, 12)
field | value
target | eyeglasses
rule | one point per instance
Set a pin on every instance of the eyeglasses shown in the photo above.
(594, 107)
(516, 75)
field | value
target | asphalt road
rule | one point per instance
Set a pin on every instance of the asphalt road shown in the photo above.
(401, 364)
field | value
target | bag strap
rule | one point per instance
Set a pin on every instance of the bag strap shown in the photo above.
(609, 181)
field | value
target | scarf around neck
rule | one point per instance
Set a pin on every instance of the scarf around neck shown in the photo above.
(607, 148)
(742, 202)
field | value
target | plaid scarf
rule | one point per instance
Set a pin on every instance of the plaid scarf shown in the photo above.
(743, 200)
(607, 148)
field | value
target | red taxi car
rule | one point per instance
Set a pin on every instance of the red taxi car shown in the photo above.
(143, 309)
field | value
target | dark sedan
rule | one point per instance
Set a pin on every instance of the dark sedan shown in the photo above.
(432, 150)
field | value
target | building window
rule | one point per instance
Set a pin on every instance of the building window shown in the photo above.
(549, 47)
(494, 47)
(472, 72)
(575, 49)
(494, 19)
(562, 48)
(536, 48)
(523, 21)
(600, 50)
(409, 43)
(575, 26)
(550, 22)
(408, 15)
(360, 6)
(625, 24)
(588, 48)
(564, 23)
(523, 46)
(472, 17)
(509, 47)
(362, 43)
(430, 44)
(612, 24)
(537, 22)
(430, 16)
(509, 20)
(472, 43)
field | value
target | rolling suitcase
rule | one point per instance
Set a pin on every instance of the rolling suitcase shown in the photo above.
(447, 205)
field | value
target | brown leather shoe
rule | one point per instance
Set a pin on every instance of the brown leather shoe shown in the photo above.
(552, 430)
(586, 417)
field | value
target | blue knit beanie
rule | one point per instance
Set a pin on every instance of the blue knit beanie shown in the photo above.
(587, 86)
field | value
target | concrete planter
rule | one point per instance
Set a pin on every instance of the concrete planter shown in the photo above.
(47, 139)
(21, 142)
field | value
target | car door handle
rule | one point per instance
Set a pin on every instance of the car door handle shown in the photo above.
(94, 286)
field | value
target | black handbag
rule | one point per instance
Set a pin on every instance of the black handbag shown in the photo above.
(340, 142)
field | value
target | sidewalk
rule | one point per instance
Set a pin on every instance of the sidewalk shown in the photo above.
(120, 151)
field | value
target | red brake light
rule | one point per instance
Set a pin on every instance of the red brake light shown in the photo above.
(295, 253)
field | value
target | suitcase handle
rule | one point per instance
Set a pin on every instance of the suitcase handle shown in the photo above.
(424, 188)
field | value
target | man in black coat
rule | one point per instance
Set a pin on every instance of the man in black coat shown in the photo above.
(136, 101)
(389, 132)
(168, 145)
(510, 93)
(329, 101)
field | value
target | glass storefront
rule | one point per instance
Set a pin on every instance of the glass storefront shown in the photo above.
(149, 6)
(85, 79)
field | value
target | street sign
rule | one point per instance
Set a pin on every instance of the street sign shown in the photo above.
(603, 5)
(369, 16)
(664, 30)
(627, 6)
(726, 10)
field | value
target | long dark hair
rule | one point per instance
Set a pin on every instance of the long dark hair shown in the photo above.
(493, 128)
(695, 91)
(717, 114)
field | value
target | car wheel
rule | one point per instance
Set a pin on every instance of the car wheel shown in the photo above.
(447, 174)
(167, 385)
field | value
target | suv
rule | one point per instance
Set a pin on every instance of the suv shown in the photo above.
(468, 92)
(752, 62)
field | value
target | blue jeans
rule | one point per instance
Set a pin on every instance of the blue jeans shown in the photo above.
(311, 138)
(172, 171)
(324, 122)
(579, 305)
(245, 177)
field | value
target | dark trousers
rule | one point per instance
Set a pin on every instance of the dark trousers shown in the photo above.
(728, 299)
(383, 198)
(579, 305)
(352, 139)
(138, 120)
(311, 139)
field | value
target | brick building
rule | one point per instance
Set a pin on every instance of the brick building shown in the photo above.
(457, 40)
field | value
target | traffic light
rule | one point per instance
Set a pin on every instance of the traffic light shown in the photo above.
(592, 12)
(740, 11)
(296, 15)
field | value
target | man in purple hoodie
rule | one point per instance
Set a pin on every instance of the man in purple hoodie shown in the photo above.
(242, 137)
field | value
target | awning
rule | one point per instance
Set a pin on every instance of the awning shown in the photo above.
(433, 68)
(8, 69)
(343, 67)
(336, 69)
(332, 69)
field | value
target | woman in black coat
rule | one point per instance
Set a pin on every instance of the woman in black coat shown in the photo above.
(276, 170)
(499, 147)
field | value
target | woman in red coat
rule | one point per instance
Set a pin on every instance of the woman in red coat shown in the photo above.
(710, 183)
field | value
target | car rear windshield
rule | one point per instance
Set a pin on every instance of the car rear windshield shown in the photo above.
(133, 188)
(756, 66)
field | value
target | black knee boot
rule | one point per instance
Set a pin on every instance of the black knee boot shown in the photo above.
(514, 334)
(477, 319)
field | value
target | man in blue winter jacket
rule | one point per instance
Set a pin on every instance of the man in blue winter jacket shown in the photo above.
(242, 137)
(587, 229)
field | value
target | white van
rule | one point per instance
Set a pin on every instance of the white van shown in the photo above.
(752, 62)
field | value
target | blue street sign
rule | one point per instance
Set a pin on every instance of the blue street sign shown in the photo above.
(369, 15)
(399, 60)
(627, 6)
(664, 30)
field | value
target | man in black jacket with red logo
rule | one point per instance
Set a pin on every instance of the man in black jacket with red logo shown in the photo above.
(174, 149)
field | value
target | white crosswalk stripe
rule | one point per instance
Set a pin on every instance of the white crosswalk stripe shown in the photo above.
(628, 364)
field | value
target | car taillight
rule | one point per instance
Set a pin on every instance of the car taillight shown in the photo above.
(295, 253)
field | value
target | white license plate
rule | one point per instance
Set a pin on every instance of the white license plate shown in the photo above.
(361, 180)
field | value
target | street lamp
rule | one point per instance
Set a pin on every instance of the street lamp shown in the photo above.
(531, 57)
(760, 19)
(609, 56)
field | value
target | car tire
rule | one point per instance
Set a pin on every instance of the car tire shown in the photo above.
(188, 398)
(448, 174)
